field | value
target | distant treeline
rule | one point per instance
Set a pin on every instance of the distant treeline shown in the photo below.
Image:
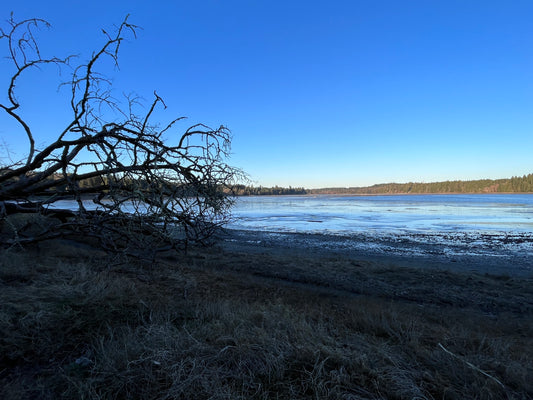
(242, 190)
(515, 184)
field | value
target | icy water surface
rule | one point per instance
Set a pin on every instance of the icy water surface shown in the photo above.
(489, 230)
(408, 213)
(497, 227)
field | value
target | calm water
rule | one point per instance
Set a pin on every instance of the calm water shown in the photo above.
(490, 213)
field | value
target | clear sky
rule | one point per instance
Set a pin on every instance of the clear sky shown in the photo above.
(318, 93)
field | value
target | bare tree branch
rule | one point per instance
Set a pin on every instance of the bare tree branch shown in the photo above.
(131, 181)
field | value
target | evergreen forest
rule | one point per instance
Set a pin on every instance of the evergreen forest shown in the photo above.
(516, 184)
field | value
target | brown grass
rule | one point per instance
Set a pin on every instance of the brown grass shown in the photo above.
(218, 325)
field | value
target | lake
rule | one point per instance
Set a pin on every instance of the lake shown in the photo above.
(490, 230)
(493, 229)
(489, 213)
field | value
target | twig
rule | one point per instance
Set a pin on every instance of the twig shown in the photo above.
(471, 365)
(191, 336)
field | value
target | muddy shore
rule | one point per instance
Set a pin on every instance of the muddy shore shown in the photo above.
(505, 255)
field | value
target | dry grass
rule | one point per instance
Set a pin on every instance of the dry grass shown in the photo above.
(201, 326)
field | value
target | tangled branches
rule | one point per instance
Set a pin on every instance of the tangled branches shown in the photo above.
(131, 183)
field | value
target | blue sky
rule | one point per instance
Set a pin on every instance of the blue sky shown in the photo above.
(316, 93)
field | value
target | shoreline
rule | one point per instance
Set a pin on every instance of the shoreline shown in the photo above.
(494, 255)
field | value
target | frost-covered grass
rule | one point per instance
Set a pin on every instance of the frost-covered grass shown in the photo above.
(222, 325)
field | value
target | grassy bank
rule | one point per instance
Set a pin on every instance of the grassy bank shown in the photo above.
(76, 323)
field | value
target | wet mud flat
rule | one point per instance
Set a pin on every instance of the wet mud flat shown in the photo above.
(495, 253)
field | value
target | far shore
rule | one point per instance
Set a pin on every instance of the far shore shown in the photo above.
(383, 194)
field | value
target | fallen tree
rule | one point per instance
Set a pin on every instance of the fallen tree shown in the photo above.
(132, 182)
